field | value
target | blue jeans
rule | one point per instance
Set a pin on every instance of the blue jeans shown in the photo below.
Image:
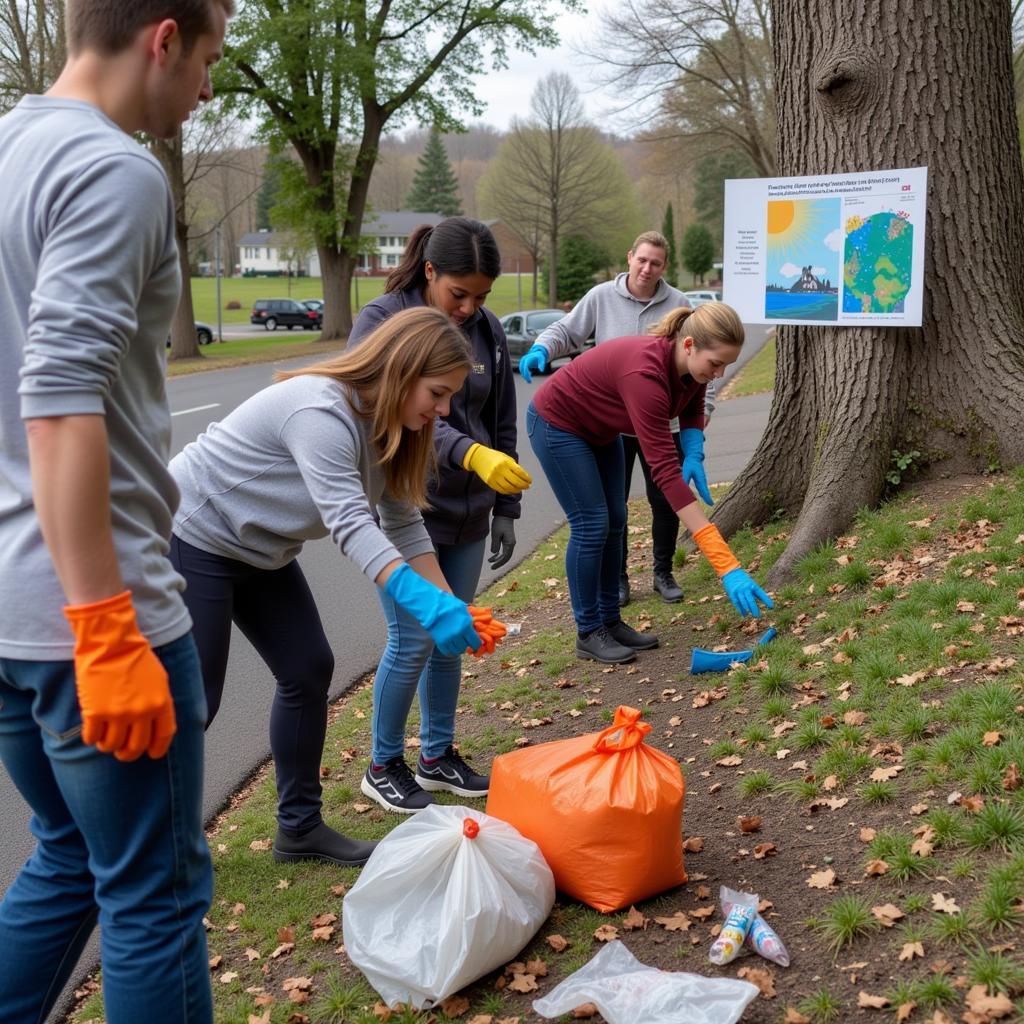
(410, 663)
(588, 481)
(121, 842)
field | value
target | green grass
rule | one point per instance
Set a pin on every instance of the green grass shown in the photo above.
(848, 918)
(504, 297)
(758, 375)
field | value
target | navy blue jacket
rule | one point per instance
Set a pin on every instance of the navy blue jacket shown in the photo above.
(484, 410)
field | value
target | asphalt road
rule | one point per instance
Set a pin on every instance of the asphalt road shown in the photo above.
(237, 743)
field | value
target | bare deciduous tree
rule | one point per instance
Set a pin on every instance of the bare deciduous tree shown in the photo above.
(554, 176)
(702, 69)
(32, 47)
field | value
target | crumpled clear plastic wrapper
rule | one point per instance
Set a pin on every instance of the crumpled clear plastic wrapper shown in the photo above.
(626, 991)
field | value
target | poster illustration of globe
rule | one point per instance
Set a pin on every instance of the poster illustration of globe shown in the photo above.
(839, 250)
(878, 256)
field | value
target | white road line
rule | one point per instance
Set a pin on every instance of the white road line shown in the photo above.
(198, 408)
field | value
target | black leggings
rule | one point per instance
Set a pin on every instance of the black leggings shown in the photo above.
(665, 525)
(276, 612)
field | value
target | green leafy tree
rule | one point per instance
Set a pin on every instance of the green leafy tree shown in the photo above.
(668, 229)
(269, 194)
(435, 189)
(579, 261)
(328, 76)
(698, 251)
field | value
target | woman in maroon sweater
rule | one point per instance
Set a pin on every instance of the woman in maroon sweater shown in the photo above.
(632, 385)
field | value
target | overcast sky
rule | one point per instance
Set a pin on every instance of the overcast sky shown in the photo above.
(507, 93)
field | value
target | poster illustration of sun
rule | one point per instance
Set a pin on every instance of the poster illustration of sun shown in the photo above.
(804, 241)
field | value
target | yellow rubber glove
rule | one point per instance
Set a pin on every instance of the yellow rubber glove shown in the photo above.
(499, 471)
(123, 690)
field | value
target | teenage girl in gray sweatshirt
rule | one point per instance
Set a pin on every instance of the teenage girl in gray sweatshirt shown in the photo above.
(341, 448)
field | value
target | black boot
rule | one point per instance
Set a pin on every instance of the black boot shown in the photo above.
(630, 637)
(322, 843)
(601, 646)
(665, 585)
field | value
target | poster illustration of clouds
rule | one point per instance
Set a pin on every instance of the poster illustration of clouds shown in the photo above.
(840, 249)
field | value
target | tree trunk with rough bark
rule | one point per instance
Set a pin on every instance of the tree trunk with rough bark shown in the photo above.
(875, 85)
(184, 343)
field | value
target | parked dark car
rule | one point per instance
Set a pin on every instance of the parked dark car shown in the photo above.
(274, 313)
(521, 330)
(204, 334)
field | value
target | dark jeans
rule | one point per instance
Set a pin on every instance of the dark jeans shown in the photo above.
(276, 612)
(117, 841)
(665, 527)
(587, 482)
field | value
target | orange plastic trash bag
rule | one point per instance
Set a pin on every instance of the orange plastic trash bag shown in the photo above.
(605, 809)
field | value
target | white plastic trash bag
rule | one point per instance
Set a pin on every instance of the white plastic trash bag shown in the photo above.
(629, 992)
(449, 895)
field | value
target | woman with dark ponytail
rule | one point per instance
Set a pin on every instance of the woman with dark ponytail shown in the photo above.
(476, 490)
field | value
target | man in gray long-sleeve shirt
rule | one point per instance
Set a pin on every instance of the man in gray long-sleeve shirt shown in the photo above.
(101, 699)
(629, 305)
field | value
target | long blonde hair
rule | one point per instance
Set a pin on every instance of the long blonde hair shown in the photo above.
(378, 375)
(710, 325)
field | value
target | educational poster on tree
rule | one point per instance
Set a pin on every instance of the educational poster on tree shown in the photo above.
(845, 249)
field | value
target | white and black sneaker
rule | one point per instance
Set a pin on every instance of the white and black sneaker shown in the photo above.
(392, 785)
(450, 773)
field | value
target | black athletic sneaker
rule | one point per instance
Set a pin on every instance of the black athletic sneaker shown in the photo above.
(629, 637)
(394, 787)
(451, 774)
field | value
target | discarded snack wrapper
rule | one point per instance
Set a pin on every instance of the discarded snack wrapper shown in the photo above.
(761, 938)
(722, 661)
(730, 939)
(626, 991)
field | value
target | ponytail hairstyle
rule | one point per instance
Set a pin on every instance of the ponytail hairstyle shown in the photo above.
(710, 325)
(457, 246)
(378, 375)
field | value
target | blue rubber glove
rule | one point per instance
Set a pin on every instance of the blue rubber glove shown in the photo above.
(692, 442)
(441, 614)
(745, 593)
(535, 361)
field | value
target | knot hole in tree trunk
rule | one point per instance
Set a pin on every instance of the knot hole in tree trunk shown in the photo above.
(846, 81)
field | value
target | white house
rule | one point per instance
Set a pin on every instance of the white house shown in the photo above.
(386, 233)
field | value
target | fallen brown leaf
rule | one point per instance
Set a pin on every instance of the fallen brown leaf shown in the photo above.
(763, 850)
(904, 1010)
(584, 1010)
(702, 913)
(678, 922)
(984, 1007)
(991, 739)
(557, 942)
(876, 867)
(887, 773)
(538, 968)
(606, 933)
(524, 983)
(1012, 777)
(454, 1006)
(761, 977)
(748, 823)
(794, 1016)
(634, 920)
(866, 1001)
(910, 950)
(887, 914)
(693, 845)
(866, 835)
(944, 904)
(822, 879)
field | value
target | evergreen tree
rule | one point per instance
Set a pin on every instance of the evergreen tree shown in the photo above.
(435, 189)
(668, 229)
(698, 250)
(579, 259)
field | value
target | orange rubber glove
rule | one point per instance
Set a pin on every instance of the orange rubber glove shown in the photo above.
(488, 628)
(709, 539)
(123, 691)
(499, 471)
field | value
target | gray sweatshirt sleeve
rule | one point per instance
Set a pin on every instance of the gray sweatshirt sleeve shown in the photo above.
(709, 398)
(569, 333)
(96, 259)
(326, 450)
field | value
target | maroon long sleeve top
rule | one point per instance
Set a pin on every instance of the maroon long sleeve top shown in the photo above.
(628, 386)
